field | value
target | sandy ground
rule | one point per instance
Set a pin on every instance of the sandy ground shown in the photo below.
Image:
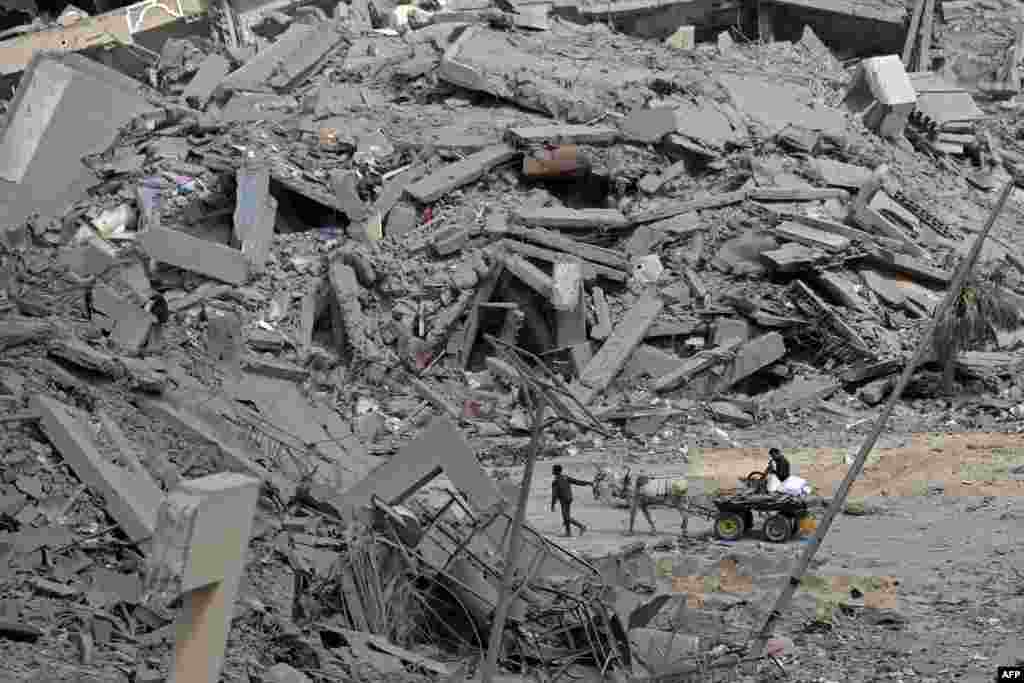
(945, 560)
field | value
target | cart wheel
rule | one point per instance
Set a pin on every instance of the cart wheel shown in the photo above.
(777, 528)
(729, 526)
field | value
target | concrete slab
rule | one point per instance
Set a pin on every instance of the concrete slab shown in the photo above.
(885, 287)
(439, 448)
(648, 126)
(816, 239)
(839, 174)
(211, 72)
(776, 106)
(842, 290)
(197, 255)
(564, 135)
(47, 136)
(609, 257)
(756, 354)
(651, 362)
(130, 500)
(452, 176)
(181, 410)
(561, 218)
(128, 322)
(254, 74)
(527, 273)
(345, 185)
(493, 62)
(794, 258)
(614, 353)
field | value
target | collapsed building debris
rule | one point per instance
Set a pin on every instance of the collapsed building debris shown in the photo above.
(283, 263)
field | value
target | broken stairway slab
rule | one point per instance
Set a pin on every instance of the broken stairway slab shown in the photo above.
(455, 175)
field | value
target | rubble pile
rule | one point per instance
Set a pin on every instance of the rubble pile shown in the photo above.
(286, 265)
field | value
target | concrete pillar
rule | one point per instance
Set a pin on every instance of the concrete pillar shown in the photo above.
(199, 549)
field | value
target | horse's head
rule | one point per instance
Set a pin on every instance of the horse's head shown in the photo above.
(609, 484)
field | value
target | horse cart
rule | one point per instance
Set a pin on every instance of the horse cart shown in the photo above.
(735, 513)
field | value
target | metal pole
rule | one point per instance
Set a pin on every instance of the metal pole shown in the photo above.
(505, 589)
(761, 635)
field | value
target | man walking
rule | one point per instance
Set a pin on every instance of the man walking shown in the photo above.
(561, 492)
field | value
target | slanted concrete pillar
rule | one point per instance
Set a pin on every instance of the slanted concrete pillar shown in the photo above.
(199, 548)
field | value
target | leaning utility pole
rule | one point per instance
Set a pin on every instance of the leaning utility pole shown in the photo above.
(543, 391)
(760, 635)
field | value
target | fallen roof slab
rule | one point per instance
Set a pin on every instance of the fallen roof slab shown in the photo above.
(41, 149)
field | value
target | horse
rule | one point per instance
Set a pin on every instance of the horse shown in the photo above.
(646, 493)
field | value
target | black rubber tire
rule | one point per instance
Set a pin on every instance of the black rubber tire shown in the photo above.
(778, 528)
(729, 526)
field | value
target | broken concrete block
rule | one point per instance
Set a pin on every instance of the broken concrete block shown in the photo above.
(286, 59)
(609, 257)
(648, 126)
(839, 174)
(572, 219)
(255, 214)
(91, 258)
(564, 135)
(528, 273)
(128, 322)
(275, 368)
(358, 331)
(798, 194)
(602, 313)
(345, 185)
(198, 255)
(211, 72)
(817, 239)
(887, 289)
(644, 240)
(917, 270)
(17, 331)
(652, 182)
(723, 411)
(460, 173)
(793, 258)
(450, 240)
(882, 92)
(131, 501)
(614, 353)
(567, 284)
(842, 290)
(753, 356)
(84, 356)
(402, 219)
(282, 673)
(875, 392)
(730, 328)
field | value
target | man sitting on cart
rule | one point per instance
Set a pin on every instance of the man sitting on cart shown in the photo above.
(778, 467)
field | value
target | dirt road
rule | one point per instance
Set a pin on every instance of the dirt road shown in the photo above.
(940, 543)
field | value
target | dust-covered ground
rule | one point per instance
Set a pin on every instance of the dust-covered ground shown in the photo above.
(941, 544)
